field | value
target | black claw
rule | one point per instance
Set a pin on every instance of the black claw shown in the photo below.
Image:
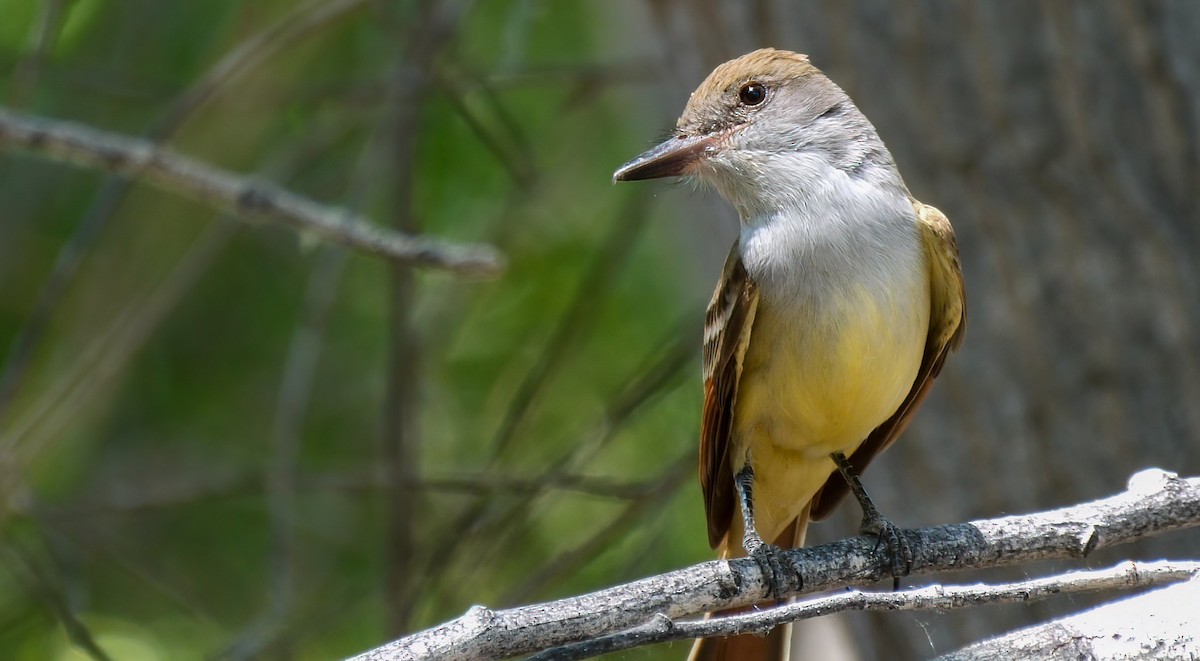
(771, 560)
(891, 538)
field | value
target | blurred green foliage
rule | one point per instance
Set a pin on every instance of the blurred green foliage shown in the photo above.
(139, 436)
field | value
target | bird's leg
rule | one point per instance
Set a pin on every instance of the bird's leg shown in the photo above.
(874, 523)
(770, 558)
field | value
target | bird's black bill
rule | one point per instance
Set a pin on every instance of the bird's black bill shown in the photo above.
(672, 158)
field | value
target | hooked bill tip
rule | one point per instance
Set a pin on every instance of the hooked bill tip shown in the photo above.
(671, 158)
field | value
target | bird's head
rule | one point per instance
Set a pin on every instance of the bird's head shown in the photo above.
(760, 125)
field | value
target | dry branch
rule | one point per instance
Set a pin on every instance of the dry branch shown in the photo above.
(243, 196)
(1160, 624)
(1154, 502)
(1126, 575)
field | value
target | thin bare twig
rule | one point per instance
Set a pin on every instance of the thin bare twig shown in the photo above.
(293, 26)
(1155, 502)
(108, 352)
(295, 394)
(505, 141)
(283, 480)
(298, 23)
(572, 559)
(41, 41)
(427, 37)
(45, 586)
(587, 74)
(598, 279)
(667, 360)
(240, 195)
(178, 491)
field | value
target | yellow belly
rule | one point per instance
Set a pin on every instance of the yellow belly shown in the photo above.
(817, 381)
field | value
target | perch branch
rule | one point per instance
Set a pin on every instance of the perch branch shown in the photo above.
(1155, 502)
(1125, 575)
(244, 197)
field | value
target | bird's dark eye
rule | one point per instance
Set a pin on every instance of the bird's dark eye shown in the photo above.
(752, 94)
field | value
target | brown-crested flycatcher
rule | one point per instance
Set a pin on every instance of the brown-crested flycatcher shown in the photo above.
(835, 310)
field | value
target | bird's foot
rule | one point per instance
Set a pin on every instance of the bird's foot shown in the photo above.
(781, 575)
(891, 538)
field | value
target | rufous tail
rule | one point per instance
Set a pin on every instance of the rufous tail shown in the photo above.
(775, 646)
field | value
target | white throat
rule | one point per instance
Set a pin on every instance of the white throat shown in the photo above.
(807, 226)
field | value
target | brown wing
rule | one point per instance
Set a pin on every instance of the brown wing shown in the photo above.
(726, 335)
(947, 321)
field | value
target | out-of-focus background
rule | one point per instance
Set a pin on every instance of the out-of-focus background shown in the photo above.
(227, 441)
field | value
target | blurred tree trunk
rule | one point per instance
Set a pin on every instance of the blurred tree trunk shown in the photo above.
(1062, 140)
